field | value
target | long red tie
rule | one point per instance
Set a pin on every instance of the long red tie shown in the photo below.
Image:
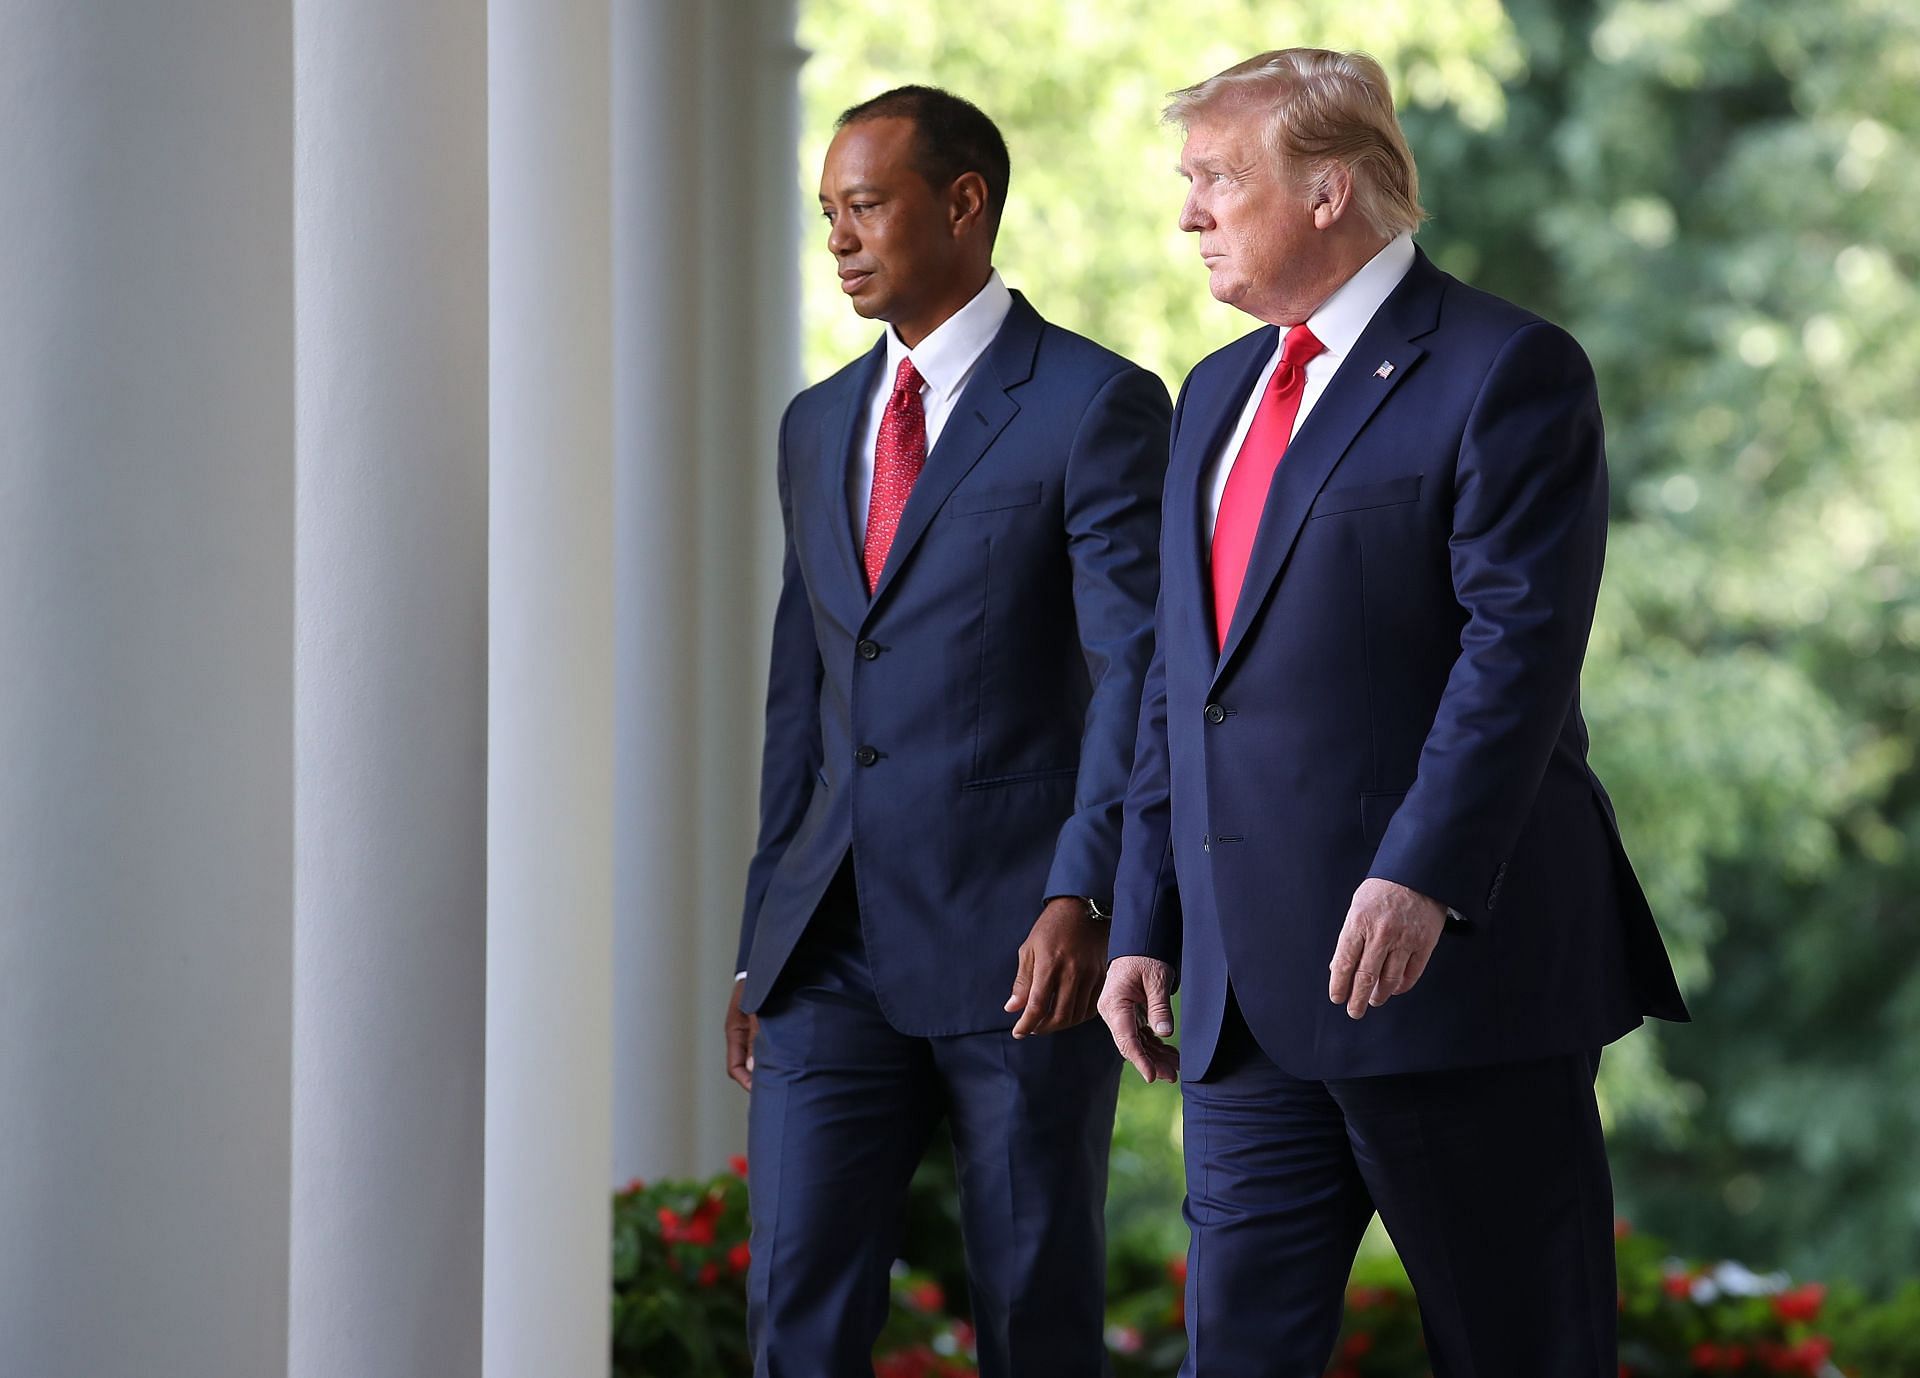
(898, 457)
(1252, 474)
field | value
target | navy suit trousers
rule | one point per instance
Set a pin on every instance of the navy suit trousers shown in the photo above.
(1492, 1182)
(842, 1108)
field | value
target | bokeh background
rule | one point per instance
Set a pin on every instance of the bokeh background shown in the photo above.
(1721, 200)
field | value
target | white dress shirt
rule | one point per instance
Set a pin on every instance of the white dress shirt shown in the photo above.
(1337, 325)
(945, 361)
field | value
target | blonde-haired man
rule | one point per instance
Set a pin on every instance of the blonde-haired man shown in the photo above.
(1361, 831)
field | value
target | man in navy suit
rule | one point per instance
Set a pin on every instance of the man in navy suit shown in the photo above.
(965, 619)
(1361, 832)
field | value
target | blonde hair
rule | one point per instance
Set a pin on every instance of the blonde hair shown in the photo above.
(1322, 108)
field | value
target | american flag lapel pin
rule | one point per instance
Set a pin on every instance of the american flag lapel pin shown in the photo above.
(1385, 370)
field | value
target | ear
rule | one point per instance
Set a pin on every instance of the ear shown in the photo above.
(1332, 194)
(966, 204)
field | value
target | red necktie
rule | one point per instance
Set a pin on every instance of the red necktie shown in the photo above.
(1252, 474)
(898, 457)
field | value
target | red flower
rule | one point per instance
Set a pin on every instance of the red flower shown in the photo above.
(709, 1274)
(1801, 1304)
(1126, 1340)
(1621, 1228)
(633, 1188)
(739, 1256)
(1679, 1286)
(1625, 1372)
(1810, 1355)
(1705, 1355)
(699, 1230)
(1772, 1355)
(1734, 1357)
(963, 1336)
(926, 1296)
(738, 1164)
(669, 1224)
(1358, 1343)
(1178, 1314)
(1177, 1270)
(1365, 1298)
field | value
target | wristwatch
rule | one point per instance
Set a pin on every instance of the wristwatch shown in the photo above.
(1094, 911)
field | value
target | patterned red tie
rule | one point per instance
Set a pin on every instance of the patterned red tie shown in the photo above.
(1252, 474)
(898, 457)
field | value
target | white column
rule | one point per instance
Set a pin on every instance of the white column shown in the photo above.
(706, 323)
(550, 720)
(390, 689)
(146, 752)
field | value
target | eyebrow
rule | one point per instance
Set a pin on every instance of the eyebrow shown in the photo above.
(862, 190)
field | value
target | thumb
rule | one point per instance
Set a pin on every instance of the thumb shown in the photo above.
(1022, 980)
(1159, 999)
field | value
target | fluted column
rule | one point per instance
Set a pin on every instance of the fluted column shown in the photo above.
(146, 752)
(390, 689)
(550, 719)
(706, 324)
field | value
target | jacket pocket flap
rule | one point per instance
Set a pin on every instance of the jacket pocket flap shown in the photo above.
(1384, 494)
(969, 501)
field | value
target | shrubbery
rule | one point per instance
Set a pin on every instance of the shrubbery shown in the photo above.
(679, 1308)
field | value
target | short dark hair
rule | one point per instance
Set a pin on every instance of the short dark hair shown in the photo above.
(951, 136)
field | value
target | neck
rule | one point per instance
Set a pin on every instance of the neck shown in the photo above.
(962, 290)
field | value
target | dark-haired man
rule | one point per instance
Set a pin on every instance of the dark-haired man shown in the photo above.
(972, 513)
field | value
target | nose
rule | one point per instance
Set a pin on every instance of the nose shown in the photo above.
(841, 239)
(1193, 216)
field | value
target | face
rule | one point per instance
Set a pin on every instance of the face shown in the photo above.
(905, 251)
(1260, 234)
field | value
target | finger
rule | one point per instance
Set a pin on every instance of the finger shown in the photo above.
(1159, 1001)
(1041, 994)
(1392, 972)
(1416, 968)
(737, 1058)
(1366, 980)
(1022, 979)
(1346, 958)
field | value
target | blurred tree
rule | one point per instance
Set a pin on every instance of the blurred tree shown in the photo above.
(1721, 200)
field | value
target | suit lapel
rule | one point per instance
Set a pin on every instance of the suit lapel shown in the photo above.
(1356, 392)
(842, 432)
(979, 414)
(1205, 426)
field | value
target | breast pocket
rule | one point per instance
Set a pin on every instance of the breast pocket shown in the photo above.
(972, 502)
(1364, 496)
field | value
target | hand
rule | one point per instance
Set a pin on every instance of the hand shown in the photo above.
(742, 1029)
(1384, 945)
(1138, 1007)
(1060, 966)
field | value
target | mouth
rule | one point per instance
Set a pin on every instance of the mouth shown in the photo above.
(853, 279)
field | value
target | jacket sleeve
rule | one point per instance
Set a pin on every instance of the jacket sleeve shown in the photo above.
(1147, 917)
(792, 751)
(1114, 475)
(1529, 537)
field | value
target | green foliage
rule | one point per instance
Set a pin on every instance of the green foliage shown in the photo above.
(1721, 200)
(679, 1305)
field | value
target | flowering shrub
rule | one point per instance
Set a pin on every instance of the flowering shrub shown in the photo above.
(680, 1257)
(679, 1309)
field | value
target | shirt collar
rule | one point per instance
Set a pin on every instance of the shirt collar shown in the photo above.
(948, 354)
(1342, 316)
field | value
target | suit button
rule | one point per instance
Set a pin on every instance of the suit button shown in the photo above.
(1216, 714)
(866, 755)
(868, 650)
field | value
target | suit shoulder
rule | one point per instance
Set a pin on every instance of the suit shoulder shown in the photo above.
(829, 392)
(1494, 322)
(1066, 355)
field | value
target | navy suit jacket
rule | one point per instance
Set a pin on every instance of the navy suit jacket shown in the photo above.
(968, 730)
(1398, 696)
